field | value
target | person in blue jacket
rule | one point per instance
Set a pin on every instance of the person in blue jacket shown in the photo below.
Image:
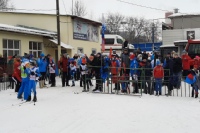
(25, 79)
(34, 75)
(134, 72)
(42, 64)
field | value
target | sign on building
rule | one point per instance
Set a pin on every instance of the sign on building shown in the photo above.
(190, 35)
(85, 31)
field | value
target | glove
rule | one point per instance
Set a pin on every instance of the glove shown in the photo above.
(24, 68)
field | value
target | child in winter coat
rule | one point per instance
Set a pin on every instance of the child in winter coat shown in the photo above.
(34, 75)
(84, 75)
(115, 70)
(134, 72)
(52, 71)
(158, 74)
(72, 72)
(195, 85)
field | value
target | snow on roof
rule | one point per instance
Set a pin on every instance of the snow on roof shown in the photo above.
(19, 29)
(167, 45)
(180, 41)
(183, 14)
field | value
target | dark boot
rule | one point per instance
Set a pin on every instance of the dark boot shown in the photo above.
(169, 93)
(196, 94)
(192, 93)
(19, 97)
(34, 99)
(29, 99)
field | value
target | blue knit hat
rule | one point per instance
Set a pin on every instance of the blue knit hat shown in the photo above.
(42, 54)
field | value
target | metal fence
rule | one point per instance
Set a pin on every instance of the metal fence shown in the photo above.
(6, 83)
(184, 90)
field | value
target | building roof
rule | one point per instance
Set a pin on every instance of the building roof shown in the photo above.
(25, 30)
(176, 15)
(52, 13)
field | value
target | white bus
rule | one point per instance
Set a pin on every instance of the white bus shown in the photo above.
(113, 41)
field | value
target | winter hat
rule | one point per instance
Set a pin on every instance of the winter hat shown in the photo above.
(184, 52)
(82, 55)
(157, 62)
(42, 54)
(99, 54)
(132, 56)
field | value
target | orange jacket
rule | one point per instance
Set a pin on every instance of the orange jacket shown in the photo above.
(158, 72)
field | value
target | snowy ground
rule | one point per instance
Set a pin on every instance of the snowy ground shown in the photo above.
(59, 110)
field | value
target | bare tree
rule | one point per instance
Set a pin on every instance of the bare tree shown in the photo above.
(6, 5)
(113, 22)
(79, 9)
(134, 28)
(151, 27)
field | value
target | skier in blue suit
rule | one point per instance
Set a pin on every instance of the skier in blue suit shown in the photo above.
(25, 79)
(34, 75)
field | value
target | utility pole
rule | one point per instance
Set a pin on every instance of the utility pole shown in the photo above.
(153, 30)
(58, 27)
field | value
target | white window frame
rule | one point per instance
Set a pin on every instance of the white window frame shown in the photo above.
(12, 49)
(94, 49)
(78, 50)
(31, 51)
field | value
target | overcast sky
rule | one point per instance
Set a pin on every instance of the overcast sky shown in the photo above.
(95, 8)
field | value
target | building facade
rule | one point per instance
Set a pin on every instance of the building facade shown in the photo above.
(35, 33)
(184, 27)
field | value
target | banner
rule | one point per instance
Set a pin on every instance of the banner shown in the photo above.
(85, 31)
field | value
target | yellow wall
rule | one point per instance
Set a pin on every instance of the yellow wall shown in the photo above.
(48, 22)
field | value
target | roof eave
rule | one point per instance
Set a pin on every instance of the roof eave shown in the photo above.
(28, 33)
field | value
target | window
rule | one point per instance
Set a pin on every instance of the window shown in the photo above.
(11, 47)
(119, 41)
(94, 51)
(109, 41)
(194, 49)
(80, 50)
(35, 48)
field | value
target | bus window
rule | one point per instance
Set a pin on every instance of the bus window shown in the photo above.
(109, 41)
(119, 41)
(194, 49)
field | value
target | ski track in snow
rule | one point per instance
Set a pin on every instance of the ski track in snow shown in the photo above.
(59, 110)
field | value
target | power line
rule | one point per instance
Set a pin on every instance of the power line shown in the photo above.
(153, 8)
(142, 6)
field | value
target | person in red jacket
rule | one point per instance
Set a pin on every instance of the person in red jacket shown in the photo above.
(186, 61)
(158, 74)
(64, 69)
(16, 76)
(115, 70)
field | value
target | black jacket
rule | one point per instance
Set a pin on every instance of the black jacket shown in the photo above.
(177, 65)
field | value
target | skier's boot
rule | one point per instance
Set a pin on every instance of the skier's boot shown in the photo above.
(192, 93)
(196, 95)
(34, 99)
(169, 93)
(19, 97)
(29, 99)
